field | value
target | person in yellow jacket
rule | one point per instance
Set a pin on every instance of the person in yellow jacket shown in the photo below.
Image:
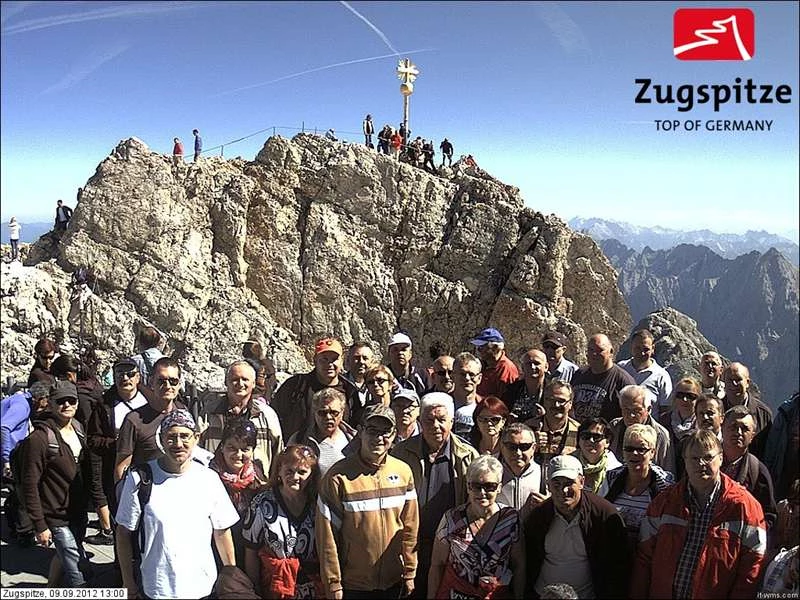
(367, 518)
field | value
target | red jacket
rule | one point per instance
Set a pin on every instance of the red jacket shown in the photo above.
(730, 563)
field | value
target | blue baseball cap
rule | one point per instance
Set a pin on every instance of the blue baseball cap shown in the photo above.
(488, 335)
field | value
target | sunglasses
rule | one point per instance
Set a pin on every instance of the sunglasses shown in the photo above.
(550, 346)
(126, 374)
(332, 413)
(636, 449)
(172, 381)
(63, 401)
(486, 486)
(490, 420)
(378, 381)
(469, 375)
(46, 356)
(592, 437)
(686, 396)
(523, 447)
(443, 372)
(375, 432)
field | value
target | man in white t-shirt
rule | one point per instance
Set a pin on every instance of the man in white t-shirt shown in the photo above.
(187, 506)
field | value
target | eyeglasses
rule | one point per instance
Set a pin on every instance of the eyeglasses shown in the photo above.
(377, 381)
(182, 437)
(487, 486)
(63, 401)
(587, 436)
(550, 346)
(703, 460)
(443, 372)
(490, 420)
(325, 413)
(126, 374)
(381, 433)
(46, 356)
(636, 449)
(172, 381)
(523, 447)
(686, 396)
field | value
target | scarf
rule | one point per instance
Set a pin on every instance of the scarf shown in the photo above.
(595, 474)
(681, 428)
(235, 483)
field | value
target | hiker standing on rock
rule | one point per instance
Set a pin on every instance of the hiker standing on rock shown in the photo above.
(177, 152)
(368, 128)
(13, 234)
(63, 215)
(198, 144)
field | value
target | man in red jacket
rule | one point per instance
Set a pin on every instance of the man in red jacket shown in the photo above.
(704, 537)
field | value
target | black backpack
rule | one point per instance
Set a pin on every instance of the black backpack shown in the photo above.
(143, 491)
(16, 459)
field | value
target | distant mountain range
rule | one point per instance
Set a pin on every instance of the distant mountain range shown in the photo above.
(727, 245)
(30, 231)
(747, 306)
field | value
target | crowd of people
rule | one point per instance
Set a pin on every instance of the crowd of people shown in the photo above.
(469, 475)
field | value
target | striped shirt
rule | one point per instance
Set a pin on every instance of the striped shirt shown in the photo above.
(699, 522)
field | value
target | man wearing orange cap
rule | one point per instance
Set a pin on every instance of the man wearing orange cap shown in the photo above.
(292, 401)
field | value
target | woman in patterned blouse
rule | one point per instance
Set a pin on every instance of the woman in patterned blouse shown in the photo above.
(478, 550)
(280, 554)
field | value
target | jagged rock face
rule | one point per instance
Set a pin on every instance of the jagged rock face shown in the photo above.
(677, 342)
(315, 237)
(747, 306)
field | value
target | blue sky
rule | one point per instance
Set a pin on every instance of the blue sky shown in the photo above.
(542, 94)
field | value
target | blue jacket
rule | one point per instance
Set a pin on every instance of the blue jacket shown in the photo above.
(15, 410)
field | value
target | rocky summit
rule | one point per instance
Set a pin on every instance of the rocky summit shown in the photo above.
(313, 237)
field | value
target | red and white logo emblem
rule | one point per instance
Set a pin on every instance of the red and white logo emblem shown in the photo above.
(714, 34)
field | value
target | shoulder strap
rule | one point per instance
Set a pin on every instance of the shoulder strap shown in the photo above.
(145, 484)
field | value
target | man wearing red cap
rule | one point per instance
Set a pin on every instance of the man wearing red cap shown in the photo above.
(499, 371)
(292, 401)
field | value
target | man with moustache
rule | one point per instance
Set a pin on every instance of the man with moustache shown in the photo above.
(292, 401)
(710, 368)
(704, 537)
(554, 344)
(647, 373)
(137, 443)
(738, 431)
(708, 414)
(739, 393)
(239, 401)
(367, 518)
(575, 537)
(188, 506)
(439, 462)
(360, 358)
(596, 387)
(524, 397)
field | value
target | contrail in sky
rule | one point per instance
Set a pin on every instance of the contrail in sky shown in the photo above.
(371, 26)
(83, 69)
(134, 9)
(567, 32)
(315, 70)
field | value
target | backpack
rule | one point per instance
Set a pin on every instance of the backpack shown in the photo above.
(16, 459)
(143, 491)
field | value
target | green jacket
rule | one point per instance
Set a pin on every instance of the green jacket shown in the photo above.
(461, 455)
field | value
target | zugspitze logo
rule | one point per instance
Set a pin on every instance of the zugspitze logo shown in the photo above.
(714, 34)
